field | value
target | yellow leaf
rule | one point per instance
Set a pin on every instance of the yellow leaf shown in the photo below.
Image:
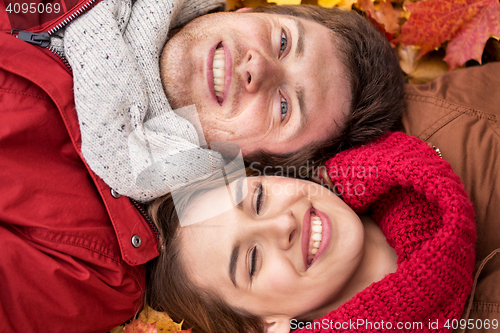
(153, 321)
(286, 2)
(420, 70)
(329, 3)
(343, 4)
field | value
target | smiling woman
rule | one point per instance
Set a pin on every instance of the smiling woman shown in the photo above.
(292, 250)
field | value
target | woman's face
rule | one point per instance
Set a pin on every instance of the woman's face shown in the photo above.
(259, 254)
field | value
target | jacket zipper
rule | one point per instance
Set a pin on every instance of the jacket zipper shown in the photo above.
(148, 219)
(43, 38)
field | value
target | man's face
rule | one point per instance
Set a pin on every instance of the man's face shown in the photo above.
(262, 81)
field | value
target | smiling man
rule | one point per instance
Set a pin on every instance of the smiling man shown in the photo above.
(280, 79)
(259, 80)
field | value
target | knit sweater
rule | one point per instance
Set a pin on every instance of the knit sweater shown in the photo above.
(424, 212)
(131, 137)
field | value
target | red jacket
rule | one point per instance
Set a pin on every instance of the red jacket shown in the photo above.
(68, 262)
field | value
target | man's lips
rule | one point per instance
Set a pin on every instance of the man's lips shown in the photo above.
(220, 96)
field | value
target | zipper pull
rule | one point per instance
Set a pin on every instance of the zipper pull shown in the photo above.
(42, 39)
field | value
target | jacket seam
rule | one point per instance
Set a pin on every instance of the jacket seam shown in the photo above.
(49, 237)
(485, 307)
(8, 91)
(460, 109)
(452, 106)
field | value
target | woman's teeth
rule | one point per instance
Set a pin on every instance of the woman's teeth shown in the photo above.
(218, 67)
(316, 236)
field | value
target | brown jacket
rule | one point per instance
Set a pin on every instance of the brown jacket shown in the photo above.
(459, 114)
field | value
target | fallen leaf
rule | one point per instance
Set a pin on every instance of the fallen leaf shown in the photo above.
(423, 69)
(385, 17)
(286, 2)
(254, 3)
(328, 3)
(151, 321)
(388, 16)
(234, 4)
(342, 4)
(466, 24)
(137, 326)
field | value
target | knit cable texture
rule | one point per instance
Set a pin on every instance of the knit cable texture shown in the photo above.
(131, 137)
(424, 211)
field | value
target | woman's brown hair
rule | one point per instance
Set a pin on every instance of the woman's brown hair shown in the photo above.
(169, 288)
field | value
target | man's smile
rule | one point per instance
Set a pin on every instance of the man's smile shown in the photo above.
(219, 73)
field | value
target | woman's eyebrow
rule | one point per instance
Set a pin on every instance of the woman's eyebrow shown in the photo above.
(232, 263)
(239, 193)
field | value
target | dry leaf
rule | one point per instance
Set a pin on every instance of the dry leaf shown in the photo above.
(151, 321)
(420, 70)
(342, 4)
(234, 4)
(329, 3)
(386, 18)
(286, 2)
(254, 3)
(466, 24)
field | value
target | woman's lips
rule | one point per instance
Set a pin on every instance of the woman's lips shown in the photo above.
(326, 235)
(307, 233)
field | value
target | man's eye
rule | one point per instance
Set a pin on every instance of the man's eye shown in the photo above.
(283, 42)
(283, 109)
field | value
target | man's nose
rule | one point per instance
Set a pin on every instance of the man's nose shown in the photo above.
(281, 229)
(259, 71)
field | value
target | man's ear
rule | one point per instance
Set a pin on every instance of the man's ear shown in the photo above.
(277, 324)
(243, 10)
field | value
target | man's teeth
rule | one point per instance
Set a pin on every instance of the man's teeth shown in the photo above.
(316, 236)
(218, 66)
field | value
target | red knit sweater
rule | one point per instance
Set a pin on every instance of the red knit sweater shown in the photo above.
(425, 213)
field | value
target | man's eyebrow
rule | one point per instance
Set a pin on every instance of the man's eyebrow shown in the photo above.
(299, 49)
(232, 263)
(299, 90)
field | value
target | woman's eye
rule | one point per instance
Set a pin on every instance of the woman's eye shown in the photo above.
(253, 261)
(260, 199)
(283, 109)
(283, 42)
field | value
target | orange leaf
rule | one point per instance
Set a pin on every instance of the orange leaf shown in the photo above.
(385, 19)
(151, 321)
(466, 24)
(254, 3)
(138, 326)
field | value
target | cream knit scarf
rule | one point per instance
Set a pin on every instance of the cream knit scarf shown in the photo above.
(131, 137)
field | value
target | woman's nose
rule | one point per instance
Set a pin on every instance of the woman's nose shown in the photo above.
(281, 229)
(259, 71)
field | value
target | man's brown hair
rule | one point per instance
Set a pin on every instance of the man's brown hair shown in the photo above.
(376, 80)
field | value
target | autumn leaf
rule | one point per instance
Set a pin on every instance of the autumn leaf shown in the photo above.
(465, 24)
(343, 4)
(423, 69)
(151, 321)
(254, 3)
(385, 18)
(286, 2)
